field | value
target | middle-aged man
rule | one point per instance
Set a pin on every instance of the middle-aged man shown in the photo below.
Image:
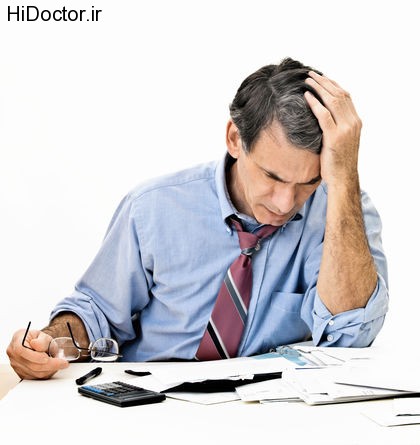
(286, 195)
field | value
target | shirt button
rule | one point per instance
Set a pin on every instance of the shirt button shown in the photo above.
(330, 337)
(331, 322)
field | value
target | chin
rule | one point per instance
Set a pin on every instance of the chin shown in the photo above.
(277, 222)
(272, 220)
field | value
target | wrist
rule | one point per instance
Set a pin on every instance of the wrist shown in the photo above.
(58, 327)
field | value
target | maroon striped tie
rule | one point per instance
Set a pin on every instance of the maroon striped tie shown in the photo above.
(224, 330)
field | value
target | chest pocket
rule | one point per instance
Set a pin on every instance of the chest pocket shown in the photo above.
(286, 301)
(283, 323)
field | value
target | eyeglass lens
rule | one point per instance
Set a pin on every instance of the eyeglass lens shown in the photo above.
(63, 347)
(104, 350)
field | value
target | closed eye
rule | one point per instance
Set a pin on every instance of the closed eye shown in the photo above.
(274, 177)
(312, 181)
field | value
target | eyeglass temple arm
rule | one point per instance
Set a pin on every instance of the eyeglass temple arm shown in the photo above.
(74, 341)
(24, 337)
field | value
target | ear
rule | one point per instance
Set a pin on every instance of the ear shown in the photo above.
(233, 139)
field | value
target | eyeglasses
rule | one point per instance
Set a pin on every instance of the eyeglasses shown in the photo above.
(101, 350)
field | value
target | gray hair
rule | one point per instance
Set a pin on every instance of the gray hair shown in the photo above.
(275, 92)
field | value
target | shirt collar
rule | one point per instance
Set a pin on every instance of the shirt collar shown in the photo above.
(226, 206)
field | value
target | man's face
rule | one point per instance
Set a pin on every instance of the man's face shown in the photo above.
(273, 181)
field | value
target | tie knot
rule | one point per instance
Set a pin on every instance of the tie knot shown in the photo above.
(251, 242)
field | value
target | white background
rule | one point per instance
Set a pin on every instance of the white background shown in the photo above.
(88, 110)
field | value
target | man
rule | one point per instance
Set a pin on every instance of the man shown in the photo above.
(292, 143)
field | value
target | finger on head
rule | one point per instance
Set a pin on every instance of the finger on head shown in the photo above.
(323, 84)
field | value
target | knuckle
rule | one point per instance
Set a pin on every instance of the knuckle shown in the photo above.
(348, 130)
(335, 101)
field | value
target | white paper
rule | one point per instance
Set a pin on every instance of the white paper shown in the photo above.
(170, 374)
(150, 382)
(397, 375)
(204, 398)
(317, 386)
(275, 389)
(241, 367)
(383, 415)
(406, 406)
(333, 356)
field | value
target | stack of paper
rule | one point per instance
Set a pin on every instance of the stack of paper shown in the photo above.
(388, 374)
(310, 374)
(319, 386)
(171, 375)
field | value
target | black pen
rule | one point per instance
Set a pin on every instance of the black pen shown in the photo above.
(137, 373)
(90, 375)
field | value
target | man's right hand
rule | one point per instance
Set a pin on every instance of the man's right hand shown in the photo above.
(35, 363)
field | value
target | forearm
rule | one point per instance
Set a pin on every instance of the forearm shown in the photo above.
(58, 328)
(347, 274)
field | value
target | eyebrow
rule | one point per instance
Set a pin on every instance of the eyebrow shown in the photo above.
(277, 178)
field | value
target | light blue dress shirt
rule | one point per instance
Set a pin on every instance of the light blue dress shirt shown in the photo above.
(154, 281)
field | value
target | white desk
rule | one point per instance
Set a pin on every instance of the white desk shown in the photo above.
(38, 412)
(8, 379)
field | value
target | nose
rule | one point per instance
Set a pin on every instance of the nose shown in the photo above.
(284, 198)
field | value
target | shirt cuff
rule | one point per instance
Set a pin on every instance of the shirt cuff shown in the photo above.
(356, 327)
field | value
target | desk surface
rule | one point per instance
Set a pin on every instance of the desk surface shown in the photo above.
(34, 410)
(8, 379)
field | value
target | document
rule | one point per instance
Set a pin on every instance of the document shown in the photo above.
(406, 407)
(389, 374)
(165, 376)
(277, 390)
(333, 356)
(318, 386)
(235, 368)
(310, 374)
(286, 357)
(384, 415)
(204, 398)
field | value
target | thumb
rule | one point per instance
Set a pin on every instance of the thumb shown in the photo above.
(41, 343)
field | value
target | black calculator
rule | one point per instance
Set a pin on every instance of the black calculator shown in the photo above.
(121, 394)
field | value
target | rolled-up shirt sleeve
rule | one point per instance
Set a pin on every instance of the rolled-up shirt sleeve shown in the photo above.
(356, 327)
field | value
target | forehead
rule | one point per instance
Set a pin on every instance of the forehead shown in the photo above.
(273, 153)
